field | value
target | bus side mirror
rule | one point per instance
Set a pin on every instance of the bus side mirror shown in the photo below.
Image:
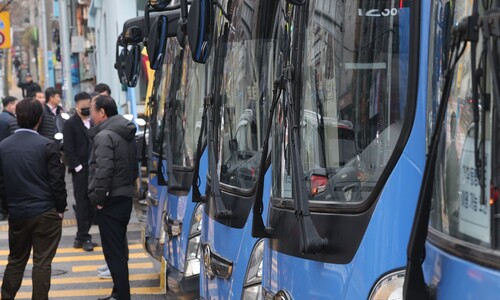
(157, 42)
(132, 66)
(133, 31)
(199, 29)
(121, 57)
(159, 4)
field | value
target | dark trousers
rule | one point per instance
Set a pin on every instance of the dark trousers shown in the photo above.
(43, 233)
(113, 220)
(84, 209)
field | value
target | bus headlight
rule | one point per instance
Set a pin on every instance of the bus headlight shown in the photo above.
(193, 254)
(253, 279)
(390, 287)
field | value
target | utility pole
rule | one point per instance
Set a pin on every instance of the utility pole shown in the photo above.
(46, 75)
(66, 52)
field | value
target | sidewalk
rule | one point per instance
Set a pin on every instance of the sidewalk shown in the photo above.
(15, 91)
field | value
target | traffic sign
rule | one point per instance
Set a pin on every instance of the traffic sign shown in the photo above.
(5, 42)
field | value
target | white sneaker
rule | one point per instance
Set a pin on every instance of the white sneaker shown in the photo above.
(102, 268)
(104, 275)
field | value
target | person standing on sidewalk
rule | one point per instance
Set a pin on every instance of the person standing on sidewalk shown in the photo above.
(8, 121)
(77, 152)
(113, 170)
(29, 86)
(52, 110)
(33, 191)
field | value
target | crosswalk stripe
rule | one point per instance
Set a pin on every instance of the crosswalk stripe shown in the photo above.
(83, 258)
(95, 292)
(73, 250)
(93, 279)
(78, 269)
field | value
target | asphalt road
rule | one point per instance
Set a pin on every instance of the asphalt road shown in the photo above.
(74, 274)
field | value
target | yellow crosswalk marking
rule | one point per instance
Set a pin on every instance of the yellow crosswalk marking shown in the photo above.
(78, 269)
(73, 250)
(96, 292)
(84, 258)
(93, 279)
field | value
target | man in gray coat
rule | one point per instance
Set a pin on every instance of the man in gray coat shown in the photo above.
(113, 170)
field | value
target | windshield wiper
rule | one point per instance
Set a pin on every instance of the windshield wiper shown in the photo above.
(310, 241)
(259, 230)
(415, 287)
(197, 196)
(171, 111)
(221, 212)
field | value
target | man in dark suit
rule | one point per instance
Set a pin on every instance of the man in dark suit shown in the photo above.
(52, 111)
(77, 151)
(33, 191)
(8, 121)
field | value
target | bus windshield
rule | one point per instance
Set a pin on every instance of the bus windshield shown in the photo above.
(461, 208)
(187, 111)
(245, 112)
(162, 92)
(353, 97)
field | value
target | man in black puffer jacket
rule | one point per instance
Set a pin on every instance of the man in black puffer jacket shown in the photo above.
(113, 169)
(51, 114)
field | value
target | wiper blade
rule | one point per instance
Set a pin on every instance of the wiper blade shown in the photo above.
(197, 196)
(310, 241)
(221, 212)
(415, 287)
(259, 230)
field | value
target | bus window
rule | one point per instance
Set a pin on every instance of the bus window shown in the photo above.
(353, 97)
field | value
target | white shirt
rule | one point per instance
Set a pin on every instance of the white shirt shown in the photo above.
(86, 123)
(25, 130)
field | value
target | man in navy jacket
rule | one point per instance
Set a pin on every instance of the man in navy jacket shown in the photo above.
(8, 121)
(33, 192)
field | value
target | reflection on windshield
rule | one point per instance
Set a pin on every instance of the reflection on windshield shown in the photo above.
(457, 209)
(187, 111)
(162, 92)
(353, 97)
(244, 115)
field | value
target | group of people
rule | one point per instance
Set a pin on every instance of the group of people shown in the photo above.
(100, 153)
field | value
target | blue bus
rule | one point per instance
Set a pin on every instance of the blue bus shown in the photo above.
(348, 148)
(237, 117)
(186, 87)
(179, 117)
(454, 249)
(159, 27)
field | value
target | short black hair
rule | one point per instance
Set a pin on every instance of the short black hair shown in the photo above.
(94, 94)
(102, 87)
(82, 96)
(108, 104)
(8, 100)
(51, 92)
(28, 112)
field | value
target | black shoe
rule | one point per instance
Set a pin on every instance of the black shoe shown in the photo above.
(88, 246)
(77, 244)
